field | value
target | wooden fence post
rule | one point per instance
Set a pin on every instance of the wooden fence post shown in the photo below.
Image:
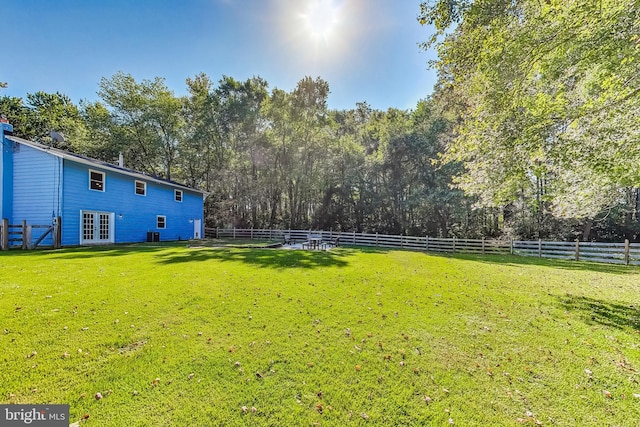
(56, 237)
(251, 238)
(376, 239)
(511, 246)
(354, 237)
(627, 252)
(401, 241)
(483, 245)
(577, 249)
(539, 248)
(24, 234)
(426, 244)
(27, 238)
(453, 247)
(5, 234)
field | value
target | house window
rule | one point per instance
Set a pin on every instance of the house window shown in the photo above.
(177, 195)
(141, 188)
(161, 221)
(96, 180)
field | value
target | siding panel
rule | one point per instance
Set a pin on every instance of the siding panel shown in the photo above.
(36, 188)
(135, 215)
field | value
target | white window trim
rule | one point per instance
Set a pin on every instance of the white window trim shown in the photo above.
(165, 222)
(135, 188)
(175, 196)
(104, 180)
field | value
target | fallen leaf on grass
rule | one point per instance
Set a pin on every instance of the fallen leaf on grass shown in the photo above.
(358, 368)
(98, 396)
(607, 394)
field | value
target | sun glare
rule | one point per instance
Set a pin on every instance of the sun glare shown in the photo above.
(321, 18)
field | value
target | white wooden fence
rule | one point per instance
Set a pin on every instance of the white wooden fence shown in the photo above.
(612, 253)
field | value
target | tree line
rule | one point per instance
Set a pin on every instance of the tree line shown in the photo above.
(531, 132)
(267, 157)
(545, 95)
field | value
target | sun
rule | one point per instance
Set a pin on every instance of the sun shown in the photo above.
(321, 19)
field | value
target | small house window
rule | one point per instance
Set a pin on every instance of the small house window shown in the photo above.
(96, 180)
(161, 221)
(141, 188)
(177, 195)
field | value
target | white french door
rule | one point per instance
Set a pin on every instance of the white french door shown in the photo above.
(96, 227)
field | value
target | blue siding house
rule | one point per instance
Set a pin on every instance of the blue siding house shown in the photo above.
(98, 202)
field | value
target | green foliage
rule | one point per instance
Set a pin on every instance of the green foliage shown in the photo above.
(550, 111)
(147, 121)
(42, 114)
(171, 335)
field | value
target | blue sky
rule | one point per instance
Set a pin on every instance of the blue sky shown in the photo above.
(366, 49)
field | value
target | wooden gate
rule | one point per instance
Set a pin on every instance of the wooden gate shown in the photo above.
(21, 235)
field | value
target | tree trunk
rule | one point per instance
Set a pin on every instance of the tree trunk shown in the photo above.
(586, 229)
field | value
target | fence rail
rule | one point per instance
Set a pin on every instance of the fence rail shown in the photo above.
(29, 236)
(611, 253)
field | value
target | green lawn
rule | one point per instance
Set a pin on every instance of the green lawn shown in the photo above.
(171, 335)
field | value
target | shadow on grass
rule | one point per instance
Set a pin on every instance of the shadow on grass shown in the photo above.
(82, 252)
(268, 258)
(545, 262)
(606, 313)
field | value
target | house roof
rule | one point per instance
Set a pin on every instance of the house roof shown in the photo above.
(98, 163)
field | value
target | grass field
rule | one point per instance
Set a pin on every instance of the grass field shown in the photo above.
(170, 335)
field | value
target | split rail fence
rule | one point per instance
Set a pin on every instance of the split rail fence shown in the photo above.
(29, 236)
(612, 253)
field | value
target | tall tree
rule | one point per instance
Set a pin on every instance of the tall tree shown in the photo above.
(149, 119)
(550, 86)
